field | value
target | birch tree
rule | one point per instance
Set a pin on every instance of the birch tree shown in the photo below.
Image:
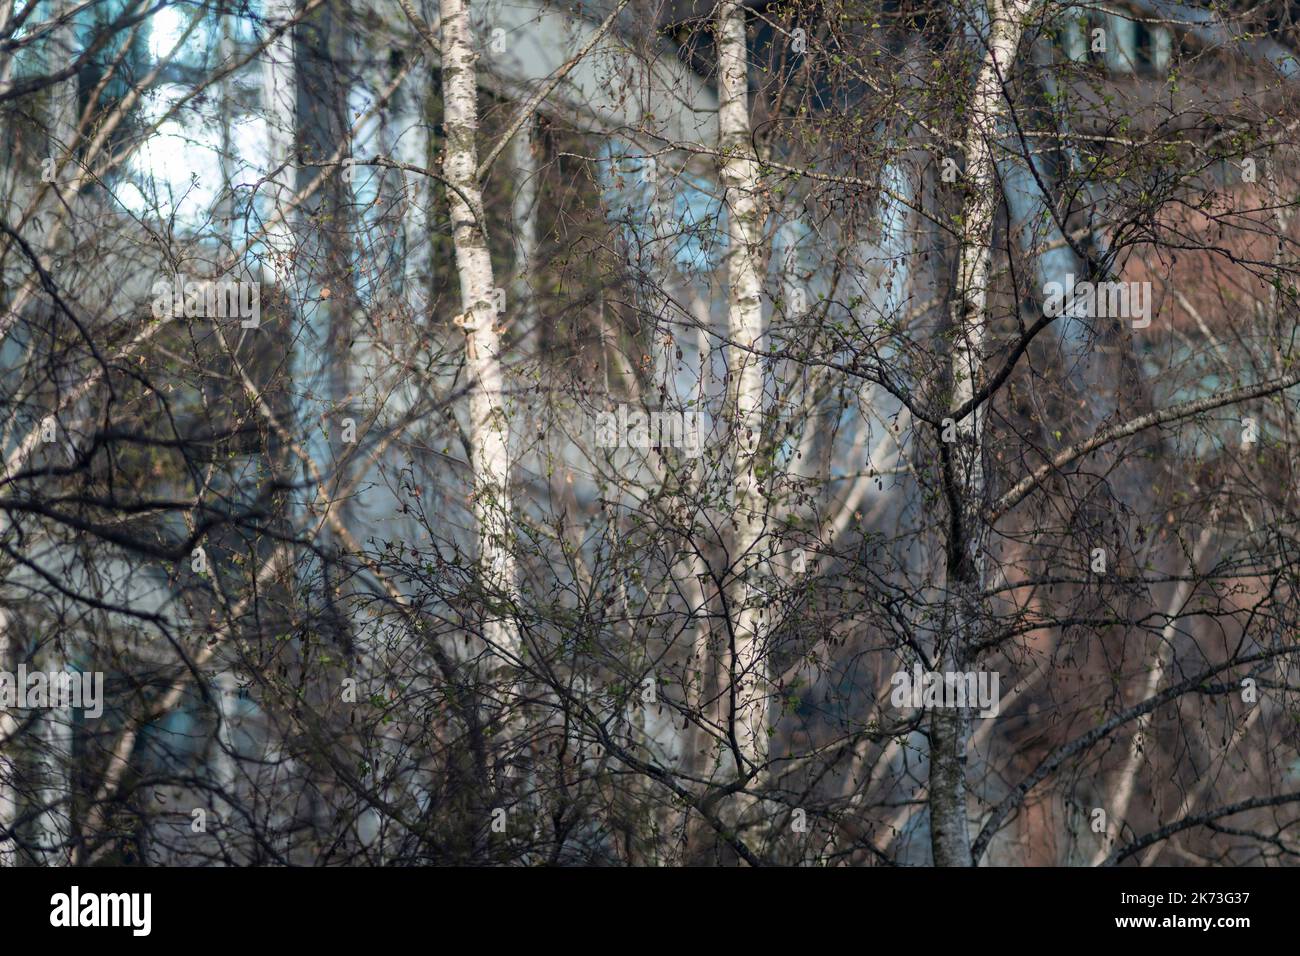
(964, 559)
(489, 462)
(809, 437)
(748, 683)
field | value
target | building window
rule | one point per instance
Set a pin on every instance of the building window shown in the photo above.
(1121, 45)
(1155, 48)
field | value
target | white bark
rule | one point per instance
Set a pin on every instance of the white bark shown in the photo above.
(225, 210)
(1125, 785)
(54, 824)
(412, 146)
(224, 770)
(489, 460)
(523, 154)
(949, 729)
(63, 96)
(53, 829)
(750, 682)
(7, 11)
(987, 108)
(279, 102)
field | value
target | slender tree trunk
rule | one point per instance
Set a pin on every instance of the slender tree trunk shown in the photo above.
(224, 768)
(54, 733)
(1125, 785)
(523, 156)
(489, 460)
(949, 729)
(54, 729)
(749, 678)
(60, 128)
(280, 108)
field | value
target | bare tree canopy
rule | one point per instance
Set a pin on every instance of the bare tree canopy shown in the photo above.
(860, 432)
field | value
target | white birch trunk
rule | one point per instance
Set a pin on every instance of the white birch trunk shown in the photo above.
(280, 108)
(224, 770)
(411, 146)
(54, 727)
(750, 690)
(54, 824)
(63, 96)
(7, 12)
(523, 155)
(949, 729)
(1121, 794)
(225, 210)
(489, 461)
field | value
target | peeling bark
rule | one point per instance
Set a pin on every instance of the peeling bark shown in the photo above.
(489, 459)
